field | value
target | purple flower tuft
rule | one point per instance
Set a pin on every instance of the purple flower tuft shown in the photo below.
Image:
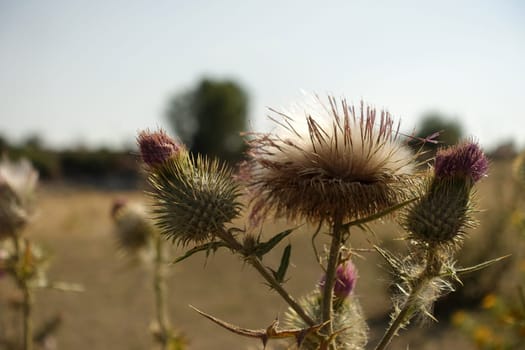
(156, 147)
(346, 278)
(462, 160)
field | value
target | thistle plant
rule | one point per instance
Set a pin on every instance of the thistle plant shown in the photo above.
(499, 321)
(17, 186)
(21, 259)
(339, 168)
(436, 224)
(137, 238)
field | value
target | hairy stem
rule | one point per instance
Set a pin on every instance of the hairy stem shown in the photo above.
(159, 284)
(431, 270)
(331, 267)
(402, 316)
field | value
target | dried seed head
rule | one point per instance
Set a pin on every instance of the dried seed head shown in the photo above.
(443, 212)
(328, 159)
(348, 323)
(194, 198)
(346, 278)
(134, 230)
(465, 160)
(156, 147)
(17, 186)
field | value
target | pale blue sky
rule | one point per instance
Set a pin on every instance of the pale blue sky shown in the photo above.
(94, 72)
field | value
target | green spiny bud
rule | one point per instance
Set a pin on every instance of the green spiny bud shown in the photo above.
(194, 198)
(442, 214)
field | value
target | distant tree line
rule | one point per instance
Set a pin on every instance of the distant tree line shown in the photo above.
(99, 167)
(209, 118)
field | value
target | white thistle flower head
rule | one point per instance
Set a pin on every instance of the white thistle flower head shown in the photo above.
(18, 182)
(329, 159)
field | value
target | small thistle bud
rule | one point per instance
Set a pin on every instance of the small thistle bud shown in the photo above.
(117, 205)
(156, 147)
(133, 228)
(329, 159)
(249, 243)
(194, 198)
(346, 278)
(17, 186)
(443, 212)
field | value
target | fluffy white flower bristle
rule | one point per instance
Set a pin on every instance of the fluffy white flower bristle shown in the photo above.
(332, 152)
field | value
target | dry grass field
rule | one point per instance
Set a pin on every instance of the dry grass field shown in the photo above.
(116, 308)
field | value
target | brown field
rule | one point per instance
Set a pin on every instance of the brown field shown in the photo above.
(116, 308)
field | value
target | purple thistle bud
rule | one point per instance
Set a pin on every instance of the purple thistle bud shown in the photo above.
(156, 147)
(462, 160)
(346, 278)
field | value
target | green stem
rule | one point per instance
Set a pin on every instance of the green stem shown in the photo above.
(28, 322)
(234, 245)
(402, 316)
(27, 307)
(331, 268)
(159, 284)
(257, 264)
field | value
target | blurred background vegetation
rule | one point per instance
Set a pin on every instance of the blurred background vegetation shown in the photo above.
(209, 118)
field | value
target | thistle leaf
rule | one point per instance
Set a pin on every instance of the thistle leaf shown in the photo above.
(391, 259)
(271, 332)
(210, 246)
(378, 215)
(60, 286)
(283, 266)
(263, 248)
(480, 266)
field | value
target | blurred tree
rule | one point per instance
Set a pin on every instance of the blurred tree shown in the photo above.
(4, 144)
(437, 127)
(210, 117)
